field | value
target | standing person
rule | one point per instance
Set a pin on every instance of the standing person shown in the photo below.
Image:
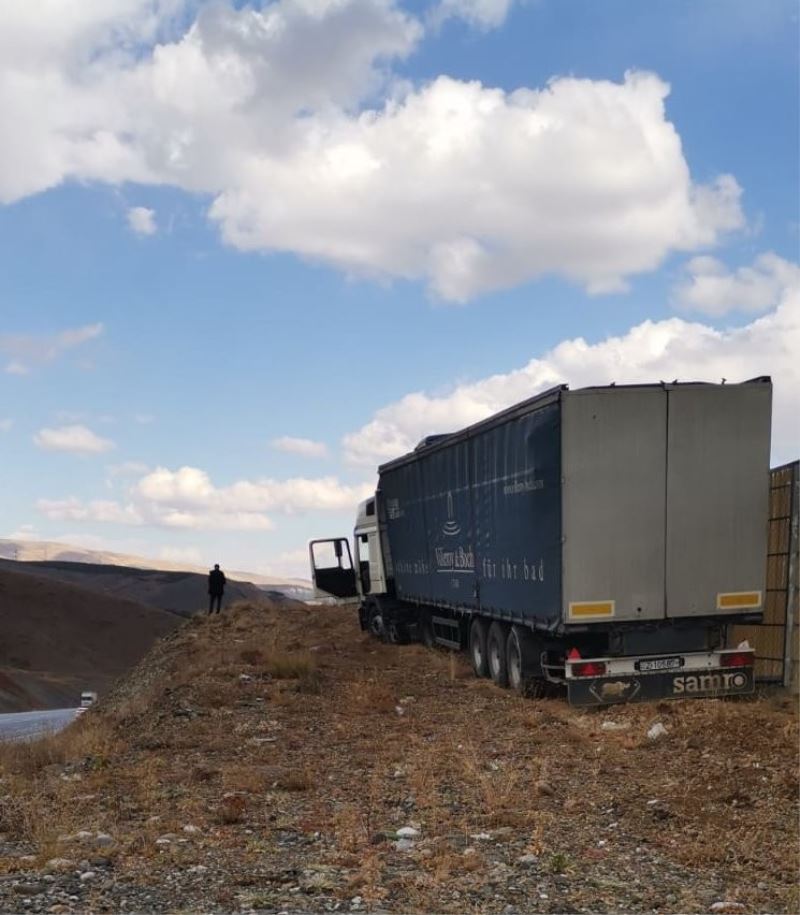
(216, 588)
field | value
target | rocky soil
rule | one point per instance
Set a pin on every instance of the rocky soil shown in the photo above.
(277, 759)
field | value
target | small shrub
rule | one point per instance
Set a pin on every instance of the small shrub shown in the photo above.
(232, 809)
(295, 781)
(310, 683)
(287, 666)
(558, 863)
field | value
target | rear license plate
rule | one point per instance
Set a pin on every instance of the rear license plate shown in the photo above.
(660, 664)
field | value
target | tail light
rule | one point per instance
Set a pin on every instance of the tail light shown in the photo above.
(588, 669)
(739, 659)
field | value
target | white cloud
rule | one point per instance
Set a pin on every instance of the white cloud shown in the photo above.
(76, 439)
(187, 499)
(28, 350)
(289, 117)
(486, 190)
(651, 351)
(305, 447)
(142, 221)
(103, 510)
(481, 13)
(710, 287)
(6, 424)
(189, 488)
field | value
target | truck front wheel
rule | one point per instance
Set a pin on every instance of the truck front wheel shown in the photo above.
(496, 653)
(477, 648)
(374, 619)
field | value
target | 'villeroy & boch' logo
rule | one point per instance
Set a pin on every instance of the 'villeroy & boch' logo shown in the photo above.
(451, 527)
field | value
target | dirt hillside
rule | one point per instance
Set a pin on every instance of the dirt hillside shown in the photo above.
(57, 639)
(277, 759)
(183, 593)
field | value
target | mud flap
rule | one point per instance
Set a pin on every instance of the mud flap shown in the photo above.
(586, 691)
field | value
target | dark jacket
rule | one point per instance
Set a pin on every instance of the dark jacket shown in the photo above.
(216, 582)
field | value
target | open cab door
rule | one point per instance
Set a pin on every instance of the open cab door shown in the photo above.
(332, 569)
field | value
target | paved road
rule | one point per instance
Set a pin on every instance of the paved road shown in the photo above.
(24, 725)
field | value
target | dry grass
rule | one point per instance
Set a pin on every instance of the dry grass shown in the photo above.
(353, 739)
(89, 738)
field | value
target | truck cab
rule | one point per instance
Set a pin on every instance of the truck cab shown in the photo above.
(345, 574)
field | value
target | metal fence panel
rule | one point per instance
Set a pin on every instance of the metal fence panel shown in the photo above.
(775, 639)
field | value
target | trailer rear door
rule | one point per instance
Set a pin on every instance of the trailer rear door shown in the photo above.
(614, 467)
(717, 497)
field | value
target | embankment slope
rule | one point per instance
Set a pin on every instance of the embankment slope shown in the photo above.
(57, 639)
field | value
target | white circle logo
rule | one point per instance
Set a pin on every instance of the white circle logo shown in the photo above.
(738, 681)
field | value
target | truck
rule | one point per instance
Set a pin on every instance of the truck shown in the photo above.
(602, 539)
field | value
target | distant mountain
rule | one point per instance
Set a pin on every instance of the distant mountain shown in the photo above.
(50, 551)
(57, 639)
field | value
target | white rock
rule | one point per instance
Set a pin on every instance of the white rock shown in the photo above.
(528, 859)
(481, 836)
(198, 869)
(87, 875)
(400, 710)
(163, 841)
(407, 832)
(724, 906)
(613, 726)
(356, 901)
(404, 845)
(60, 864)
(191, 829)
(656, 731)
(469, 850)
(83, 836)
(103, 839)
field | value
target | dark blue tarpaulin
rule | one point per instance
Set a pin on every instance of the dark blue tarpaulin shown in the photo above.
(474, 521)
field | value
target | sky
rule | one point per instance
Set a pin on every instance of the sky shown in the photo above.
(251, 250)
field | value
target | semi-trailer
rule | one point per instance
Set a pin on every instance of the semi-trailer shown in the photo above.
(603, 538)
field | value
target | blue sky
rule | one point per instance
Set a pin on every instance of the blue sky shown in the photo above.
(362, 232)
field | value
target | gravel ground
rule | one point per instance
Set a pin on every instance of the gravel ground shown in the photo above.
(276, 759)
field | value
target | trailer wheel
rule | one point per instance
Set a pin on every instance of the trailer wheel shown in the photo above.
(520, 659)
(496, 654)
(477, 648)
(426, 633)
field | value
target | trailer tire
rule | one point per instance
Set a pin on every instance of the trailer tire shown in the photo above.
(496, 654)
(477, 648)
(520, 660)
